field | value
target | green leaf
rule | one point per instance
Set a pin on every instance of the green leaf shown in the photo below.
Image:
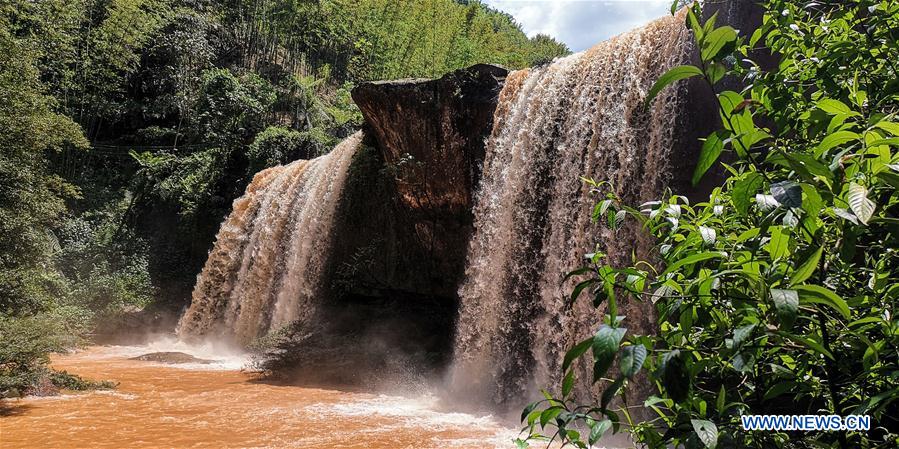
(549, 414)
(711, 150)
(716, 40)
(580, 288)
(744, 190)
(568, 383)
(821, 295)
(578, 272)
(779, 245)
(722, 400)
(575, 352)
(527, 410)
(889, 178)
(834, 107)
(861, 206)
(693, 24)
(787, 193)
(675, 74)
(631, 360)
(598, 429)
(780, 389)
(706, 431)
(807, 268)
(812, 203)
(741, 334)
(890, 127)
(692, 259)
(835, 139)
(810, 343)
(786, 302)
(892, 141)
(729, 101)
(534, 416)
(605, 346)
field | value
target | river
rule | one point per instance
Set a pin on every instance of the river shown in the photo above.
(216, 405)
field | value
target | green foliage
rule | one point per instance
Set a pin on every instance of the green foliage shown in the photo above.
(232, 107)
(189, 182)
(31, 198)
(23, 354)
(779, 290)
(374, 39)
(106, 270)
(276, 146)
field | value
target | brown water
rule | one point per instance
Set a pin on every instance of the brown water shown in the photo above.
(217, 406)
(582, 115)
(265, 268)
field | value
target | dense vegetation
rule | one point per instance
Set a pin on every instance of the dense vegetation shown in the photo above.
(777, 293)
(128, 126)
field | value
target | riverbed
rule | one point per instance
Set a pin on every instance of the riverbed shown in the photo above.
(216, 405)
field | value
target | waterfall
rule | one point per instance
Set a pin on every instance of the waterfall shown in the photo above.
(582, 115)
(266, 266)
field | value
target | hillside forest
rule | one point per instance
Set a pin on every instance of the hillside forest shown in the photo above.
(128, 127)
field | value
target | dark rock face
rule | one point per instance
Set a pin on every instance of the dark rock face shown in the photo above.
(431, 132)
(406, 216)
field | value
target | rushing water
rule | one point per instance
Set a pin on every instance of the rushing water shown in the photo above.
(580, 115)
(265, 268)
(216, 406)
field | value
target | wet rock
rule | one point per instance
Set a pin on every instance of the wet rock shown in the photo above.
(172, 358)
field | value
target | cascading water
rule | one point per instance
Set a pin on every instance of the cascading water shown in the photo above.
(266, 266)
(580, 115)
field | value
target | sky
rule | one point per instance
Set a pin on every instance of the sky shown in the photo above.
(582, 23)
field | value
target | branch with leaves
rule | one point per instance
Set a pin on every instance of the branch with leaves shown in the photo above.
(778, 292)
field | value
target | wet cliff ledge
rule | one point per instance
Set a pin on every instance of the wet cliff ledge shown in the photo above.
(407, 215)
(431, 132)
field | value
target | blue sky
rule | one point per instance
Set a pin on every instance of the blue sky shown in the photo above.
(582, 23)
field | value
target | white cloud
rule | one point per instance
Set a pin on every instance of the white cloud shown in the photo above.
(581, 23)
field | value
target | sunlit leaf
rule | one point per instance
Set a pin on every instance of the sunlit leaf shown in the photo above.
(717, 40)
(711, 150)
(807, 268)
(861, 206)
(706, 431)
(675, 74)
(815, 294)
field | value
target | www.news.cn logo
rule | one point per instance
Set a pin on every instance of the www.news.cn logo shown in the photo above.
(806, 422)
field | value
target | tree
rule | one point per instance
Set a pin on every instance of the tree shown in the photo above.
(31, 198)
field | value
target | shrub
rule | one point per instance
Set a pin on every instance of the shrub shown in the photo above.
(277, 145)
(778, 293)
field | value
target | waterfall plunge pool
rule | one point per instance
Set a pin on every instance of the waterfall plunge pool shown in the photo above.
(196, 405)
